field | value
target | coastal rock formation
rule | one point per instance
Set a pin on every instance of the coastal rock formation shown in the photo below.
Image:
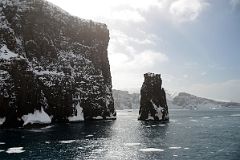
(53, 67)
(153, 104)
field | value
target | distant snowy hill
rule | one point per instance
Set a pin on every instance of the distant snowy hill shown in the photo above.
(126, 100)
(189, 101)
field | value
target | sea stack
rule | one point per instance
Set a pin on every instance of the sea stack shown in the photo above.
(153, 104)
(53, 66)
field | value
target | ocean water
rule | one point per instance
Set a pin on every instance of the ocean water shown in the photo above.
(190, 135)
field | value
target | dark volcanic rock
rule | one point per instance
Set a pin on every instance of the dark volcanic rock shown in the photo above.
(153, 104)
(52, 65)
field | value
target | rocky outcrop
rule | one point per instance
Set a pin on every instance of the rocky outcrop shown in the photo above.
(153, 104)
(52, 65)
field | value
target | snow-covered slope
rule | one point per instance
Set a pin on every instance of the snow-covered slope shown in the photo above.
(53, 63)
(125, 100)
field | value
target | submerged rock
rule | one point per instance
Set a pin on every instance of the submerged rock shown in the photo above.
(52, 64)
(153, 104)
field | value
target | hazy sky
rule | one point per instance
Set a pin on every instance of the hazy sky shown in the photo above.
(194, 44)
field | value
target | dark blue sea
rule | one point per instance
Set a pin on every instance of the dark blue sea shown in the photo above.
(190, 135)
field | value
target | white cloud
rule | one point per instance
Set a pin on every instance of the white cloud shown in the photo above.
(123, 10)
(127, 71)
(235, 3)
(109, 11)
(121, 38)
(227, 91)
(127, 15)
(128, 64)
(132, 56)
(185, 76)
(187, 10)
(143, 61)
(203, 73)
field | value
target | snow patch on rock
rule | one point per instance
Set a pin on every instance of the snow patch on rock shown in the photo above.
(6, 54)
(2, 120)
(158, 110)
(40, 117)
(150, 117)
(79, 116)
(97, 118)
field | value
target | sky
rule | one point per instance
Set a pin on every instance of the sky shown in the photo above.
(193, 44)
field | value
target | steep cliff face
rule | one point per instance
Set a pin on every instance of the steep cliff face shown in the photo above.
(153, 104)
(53, 63)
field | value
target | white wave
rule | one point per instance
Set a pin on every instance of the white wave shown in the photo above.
(205, 117)
(15, 150)
(132, 144)
(97, 118)
(151, 150)
(175, 147)
(47, 127)
(173, 120)
(235, 115)
(2, 143)
(194, 120)
(67, 141)
(90, 135)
